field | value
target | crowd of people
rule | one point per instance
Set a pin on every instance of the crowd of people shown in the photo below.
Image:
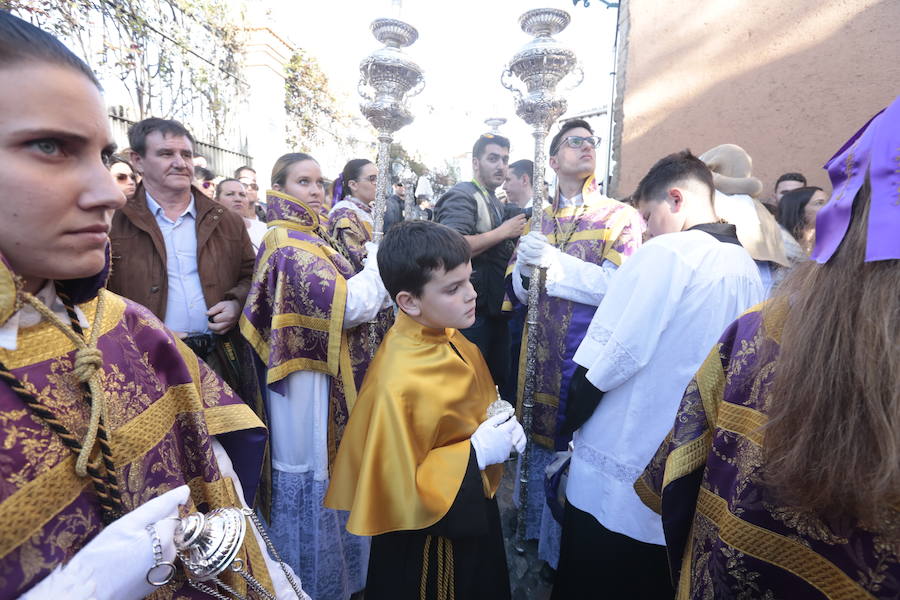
(716, 403)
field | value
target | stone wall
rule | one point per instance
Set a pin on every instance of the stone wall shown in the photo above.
(788, 81)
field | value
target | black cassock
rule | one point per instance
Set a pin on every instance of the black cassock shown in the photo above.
(466, 556)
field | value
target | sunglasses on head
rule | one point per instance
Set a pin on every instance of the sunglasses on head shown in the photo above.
(122, 177)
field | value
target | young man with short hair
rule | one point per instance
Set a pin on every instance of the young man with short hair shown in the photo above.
(421, 460)
(665, 308)
(519, 183)
(788, 182)
(585, 236)
(490, 228)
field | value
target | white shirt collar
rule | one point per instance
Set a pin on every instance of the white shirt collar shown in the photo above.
(575, 200)
(29, 317)
(155, 207)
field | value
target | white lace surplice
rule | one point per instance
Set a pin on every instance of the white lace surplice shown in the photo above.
(665, 308)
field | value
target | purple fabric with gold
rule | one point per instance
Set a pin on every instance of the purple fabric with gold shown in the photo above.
(295, 310)
(873, 151)
(602, 229)
(351, 233)
(163, 406)
(726, 535)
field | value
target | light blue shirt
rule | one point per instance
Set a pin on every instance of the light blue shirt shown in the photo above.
(185, 304)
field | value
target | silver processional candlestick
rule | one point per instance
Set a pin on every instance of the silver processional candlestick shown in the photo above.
(387, 78)
(541, 64)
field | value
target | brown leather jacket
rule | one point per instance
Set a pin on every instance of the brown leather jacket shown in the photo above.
(225, 256)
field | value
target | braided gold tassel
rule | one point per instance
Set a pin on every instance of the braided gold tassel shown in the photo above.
(88, 361)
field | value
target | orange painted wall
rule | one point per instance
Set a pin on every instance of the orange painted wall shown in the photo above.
(788, 80)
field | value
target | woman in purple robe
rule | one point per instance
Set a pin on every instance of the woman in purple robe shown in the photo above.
(110, 424)
(306, 318)
(781, 476)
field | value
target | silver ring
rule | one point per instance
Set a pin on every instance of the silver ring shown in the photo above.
(163, 580)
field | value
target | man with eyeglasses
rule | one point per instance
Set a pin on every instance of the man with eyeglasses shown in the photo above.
(585, 236)
(490, 228)
(183, 255)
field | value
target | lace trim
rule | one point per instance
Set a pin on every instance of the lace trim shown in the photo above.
(620, 361)
(607, 464)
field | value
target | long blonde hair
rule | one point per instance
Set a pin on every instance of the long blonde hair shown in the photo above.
(833, 440)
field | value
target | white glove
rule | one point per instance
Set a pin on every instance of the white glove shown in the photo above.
(371, 260)
(125, 543)
(64, 582)
(534, 251)
(493, 440)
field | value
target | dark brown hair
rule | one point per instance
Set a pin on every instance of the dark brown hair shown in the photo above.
(20, 42)
(833, 440)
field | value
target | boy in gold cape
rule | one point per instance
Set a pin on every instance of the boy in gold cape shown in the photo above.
(419, 463)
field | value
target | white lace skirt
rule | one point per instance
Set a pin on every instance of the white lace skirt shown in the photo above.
(314, 540)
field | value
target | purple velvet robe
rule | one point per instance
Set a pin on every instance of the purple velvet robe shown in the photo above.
(726, 535)
(606, 230)
(295, 310)
(163, 405)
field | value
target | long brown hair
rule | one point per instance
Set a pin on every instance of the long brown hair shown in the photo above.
(833, 440)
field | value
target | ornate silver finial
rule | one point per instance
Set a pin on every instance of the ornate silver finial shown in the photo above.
(494, 123)
(540, 65)
(388, 77)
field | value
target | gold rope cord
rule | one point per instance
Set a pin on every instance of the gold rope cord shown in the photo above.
(446, 586)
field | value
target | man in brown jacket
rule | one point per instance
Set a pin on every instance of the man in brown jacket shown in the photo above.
(183, 256)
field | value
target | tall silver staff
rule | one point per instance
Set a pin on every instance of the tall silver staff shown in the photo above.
(541, 64)
(387, 78)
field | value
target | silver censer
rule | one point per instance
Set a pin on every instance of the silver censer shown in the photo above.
(208, 545)
(540, 65)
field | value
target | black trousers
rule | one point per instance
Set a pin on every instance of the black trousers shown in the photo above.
(491, 335)
(596, 563)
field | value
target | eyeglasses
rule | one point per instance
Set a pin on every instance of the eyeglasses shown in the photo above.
(371, 178)
(577, 141)
(123, 177)
(208, 184)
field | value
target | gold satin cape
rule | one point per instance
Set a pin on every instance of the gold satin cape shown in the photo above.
(406, 447)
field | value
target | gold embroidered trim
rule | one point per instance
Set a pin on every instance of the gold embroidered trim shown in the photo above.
(742, 421)
(778, 550)
(346, 369)
(142, 433)
(711, 385)
(255, 339)
(295, 320)
(44, 341)
(648, 496)
(27, 510)
(687, 458)
(231, 417)
(298, 364)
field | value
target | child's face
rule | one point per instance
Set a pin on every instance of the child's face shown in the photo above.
(447, 300)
